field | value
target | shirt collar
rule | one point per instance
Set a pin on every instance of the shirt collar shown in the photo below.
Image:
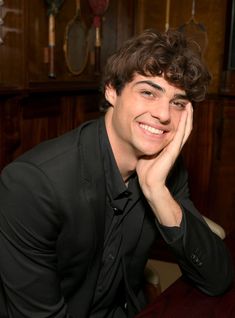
(115, 185)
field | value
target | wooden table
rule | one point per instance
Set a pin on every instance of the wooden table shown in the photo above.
(183, 300)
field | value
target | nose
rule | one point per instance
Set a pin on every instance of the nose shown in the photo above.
(161, 111)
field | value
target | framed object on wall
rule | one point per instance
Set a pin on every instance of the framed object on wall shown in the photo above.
(228, 78)
(231, 44)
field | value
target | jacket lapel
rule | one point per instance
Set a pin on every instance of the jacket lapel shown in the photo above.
(92, 172)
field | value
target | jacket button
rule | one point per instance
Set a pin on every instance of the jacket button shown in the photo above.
(196, 260)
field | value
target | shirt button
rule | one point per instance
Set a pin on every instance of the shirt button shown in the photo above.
(117, 211)
(111, 257)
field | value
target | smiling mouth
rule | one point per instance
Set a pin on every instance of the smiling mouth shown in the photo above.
(152, 130)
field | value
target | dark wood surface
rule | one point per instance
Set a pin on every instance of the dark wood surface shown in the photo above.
(183, 300)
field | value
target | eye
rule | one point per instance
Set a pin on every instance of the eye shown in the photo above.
(147, 93)
(179, 104)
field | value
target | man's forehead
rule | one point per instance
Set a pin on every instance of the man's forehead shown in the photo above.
(158, 82)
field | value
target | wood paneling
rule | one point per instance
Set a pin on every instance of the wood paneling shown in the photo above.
(24, 54)
(34, 107)
(12, 49)
(198, 154)
(40, 117)
(210, 13)
(222, 197)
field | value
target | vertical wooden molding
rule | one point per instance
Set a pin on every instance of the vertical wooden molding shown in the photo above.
(11, 128)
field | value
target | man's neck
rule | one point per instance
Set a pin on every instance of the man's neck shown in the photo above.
(125, 157)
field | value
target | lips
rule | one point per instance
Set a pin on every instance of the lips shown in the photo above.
(151, 129)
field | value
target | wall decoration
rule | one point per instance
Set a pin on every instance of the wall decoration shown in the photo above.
(99, 8)
(76, 43)
(195, 30)
(53, 9)
(167, 21)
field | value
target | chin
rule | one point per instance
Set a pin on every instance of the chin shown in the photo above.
(149, 153)
(148, 149)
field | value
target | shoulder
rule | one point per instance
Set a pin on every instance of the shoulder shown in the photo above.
(54, 159)
(56, 148)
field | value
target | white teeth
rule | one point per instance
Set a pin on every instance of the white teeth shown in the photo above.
(151, 129)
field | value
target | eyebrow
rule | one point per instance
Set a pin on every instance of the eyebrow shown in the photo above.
(154, 85)
(161, 89)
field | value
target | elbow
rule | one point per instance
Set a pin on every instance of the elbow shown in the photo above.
(218, 286)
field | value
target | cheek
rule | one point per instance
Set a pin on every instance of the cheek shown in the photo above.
(175, 119)
(120, 118)
(123, 112)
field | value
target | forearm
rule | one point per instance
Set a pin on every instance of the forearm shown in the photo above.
(166, 209)
(203, 256)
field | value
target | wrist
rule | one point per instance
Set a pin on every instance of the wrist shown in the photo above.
(166, 209)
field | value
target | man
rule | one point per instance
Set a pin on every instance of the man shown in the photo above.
(79, 213)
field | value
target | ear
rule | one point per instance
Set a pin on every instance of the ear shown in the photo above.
(110, 95)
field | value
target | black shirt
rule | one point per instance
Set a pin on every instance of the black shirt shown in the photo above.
(109, 299)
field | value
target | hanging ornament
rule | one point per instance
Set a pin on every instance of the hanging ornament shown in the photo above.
(195, 30)
(76, 43)
(53, 9)
(99, 8)
(167, 22)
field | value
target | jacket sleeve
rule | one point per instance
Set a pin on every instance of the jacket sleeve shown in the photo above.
(29, 226)
(202, 256)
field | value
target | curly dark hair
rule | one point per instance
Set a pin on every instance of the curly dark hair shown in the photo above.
(153, 53)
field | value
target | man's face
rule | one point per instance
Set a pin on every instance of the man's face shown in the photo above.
(145, 116)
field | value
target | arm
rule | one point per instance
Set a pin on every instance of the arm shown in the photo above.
(153, 172)
(200, 253)
(29, 226)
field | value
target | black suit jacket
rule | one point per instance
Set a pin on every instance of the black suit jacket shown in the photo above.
(52, 203)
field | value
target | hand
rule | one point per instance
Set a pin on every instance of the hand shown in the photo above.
(153, 171)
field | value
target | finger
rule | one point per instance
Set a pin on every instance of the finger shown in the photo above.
(189, 122)
(181, 130)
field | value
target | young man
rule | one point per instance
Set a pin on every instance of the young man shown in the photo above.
(79, 213)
